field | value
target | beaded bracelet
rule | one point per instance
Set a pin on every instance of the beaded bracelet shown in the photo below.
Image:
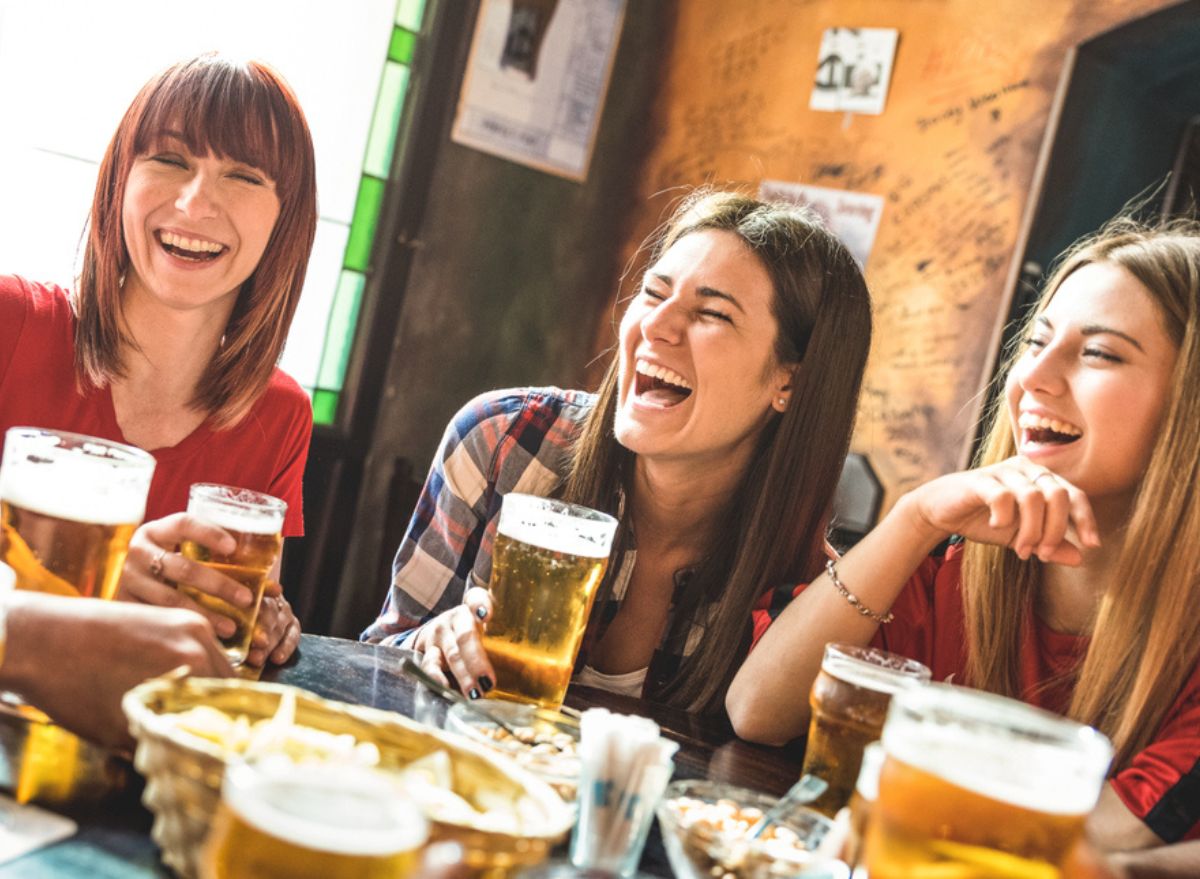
(882, 618)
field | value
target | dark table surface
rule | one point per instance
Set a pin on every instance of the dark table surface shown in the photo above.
(113, 838)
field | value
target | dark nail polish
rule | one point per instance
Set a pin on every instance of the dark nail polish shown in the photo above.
(473, 693)
(486, 683)
(481, 612)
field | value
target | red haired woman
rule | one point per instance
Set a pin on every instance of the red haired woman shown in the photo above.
(200, 232)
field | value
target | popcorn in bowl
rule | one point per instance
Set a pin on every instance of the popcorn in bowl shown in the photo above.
(705, 827)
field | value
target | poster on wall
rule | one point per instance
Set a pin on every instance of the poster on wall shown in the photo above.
(854, 68)
(852, 216)
(535, 81)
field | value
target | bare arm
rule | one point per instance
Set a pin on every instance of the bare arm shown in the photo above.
(1011, 504)
(1113, 828)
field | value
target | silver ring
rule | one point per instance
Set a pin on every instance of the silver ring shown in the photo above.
(156, 566)
(1043, 474)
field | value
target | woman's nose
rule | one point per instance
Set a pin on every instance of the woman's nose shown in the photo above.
(664, 322)
(196, 197)
(1041, 371)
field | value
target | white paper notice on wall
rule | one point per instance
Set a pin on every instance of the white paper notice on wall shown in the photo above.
(852, 216)
(854, 69)
(535, 81)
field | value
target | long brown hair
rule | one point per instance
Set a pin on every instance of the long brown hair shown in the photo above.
(772, 531)
(245, 111)
(1145, 640)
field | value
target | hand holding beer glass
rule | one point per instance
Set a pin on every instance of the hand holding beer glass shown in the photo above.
(283, 820)
(849, 700)
(548, 559)
(68, 505)
(255, 522)
(977, 786)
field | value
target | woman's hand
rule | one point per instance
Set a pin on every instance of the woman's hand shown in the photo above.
(154, 567)
(277, 632)
(1015, 503)
(452, 642)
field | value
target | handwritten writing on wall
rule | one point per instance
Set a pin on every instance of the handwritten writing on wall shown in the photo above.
(953, 155)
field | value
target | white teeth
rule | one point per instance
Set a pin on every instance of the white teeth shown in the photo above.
(194, 245)
(1029, 421)
(662, 374)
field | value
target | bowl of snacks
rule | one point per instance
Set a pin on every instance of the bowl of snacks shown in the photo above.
(705, 829)
(189, 729)
(543, 741)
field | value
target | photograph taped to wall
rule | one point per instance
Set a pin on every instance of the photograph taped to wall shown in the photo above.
(535, 81)
(854, 68)
(852, 216)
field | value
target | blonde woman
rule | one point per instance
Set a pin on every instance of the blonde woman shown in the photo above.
(1076, 581)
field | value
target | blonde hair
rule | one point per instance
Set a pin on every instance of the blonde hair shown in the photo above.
(1145, 639)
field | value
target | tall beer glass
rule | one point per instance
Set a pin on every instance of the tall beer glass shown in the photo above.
(849, 702)
(547, 561)
(255, 521)
(982, 786)
(283, 820)
(68, 505)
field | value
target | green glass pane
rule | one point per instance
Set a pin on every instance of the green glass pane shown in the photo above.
(339, 334)
(324, 406)
(388, 104)
(362, 227)
(402, 45)
(409, 13)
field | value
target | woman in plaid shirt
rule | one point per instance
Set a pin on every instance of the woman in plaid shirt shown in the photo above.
(716, 437)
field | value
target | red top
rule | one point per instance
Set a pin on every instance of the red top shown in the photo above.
(1161, 783)
(265, 451)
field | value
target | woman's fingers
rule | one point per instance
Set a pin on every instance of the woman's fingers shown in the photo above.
(479, 601)
(462, 650)
(1031, 510)
(433, 663)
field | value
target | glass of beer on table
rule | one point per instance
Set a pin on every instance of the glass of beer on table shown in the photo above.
(68, 506)
(255, 521)
(849, 701)
(311, 820)
(978, 786)
(547, 560)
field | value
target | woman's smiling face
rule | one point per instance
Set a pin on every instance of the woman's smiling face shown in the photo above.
(1087, 396)
(698, 377)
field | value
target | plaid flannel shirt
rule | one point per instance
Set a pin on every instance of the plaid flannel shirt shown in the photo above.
(502, 441)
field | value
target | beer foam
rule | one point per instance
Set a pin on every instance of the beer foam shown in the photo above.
(1047, 764)
(556, 531)
(343, 810)
(77, 491)
(259, 521)
(867, 675)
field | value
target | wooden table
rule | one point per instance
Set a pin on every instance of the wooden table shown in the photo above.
(113, 839)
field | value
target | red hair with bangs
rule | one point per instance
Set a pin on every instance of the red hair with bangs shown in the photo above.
(242, 111)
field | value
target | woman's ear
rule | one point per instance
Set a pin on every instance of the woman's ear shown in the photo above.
(782, 393)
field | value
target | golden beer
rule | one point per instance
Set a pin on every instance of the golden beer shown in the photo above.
(547, 560)
(849, 702)
(255, 521)
(279, 820)
(975, 786)
(68, 506)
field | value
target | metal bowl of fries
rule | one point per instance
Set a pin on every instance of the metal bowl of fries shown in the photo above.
(188, 729)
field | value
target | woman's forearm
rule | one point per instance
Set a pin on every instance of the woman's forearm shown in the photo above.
(768, 699)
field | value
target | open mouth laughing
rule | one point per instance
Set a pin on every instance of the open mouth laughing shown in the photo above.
(1043, 431)
(191, 249)
(659, 385)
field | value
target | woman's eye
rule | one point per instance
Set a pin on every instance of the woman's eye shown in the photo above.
(247, 177)
(718, 315)
(651, 294)
(1035, 342)
(169, 159)
(1102, 355)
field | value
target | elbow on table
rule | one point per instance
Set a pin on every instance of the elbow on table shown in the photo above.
(757, 718)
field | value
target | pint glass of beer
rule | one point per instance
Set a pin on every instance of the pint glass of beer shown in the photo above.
(547, 561)
(283, 820)
(68, 505)
(849, 700)
(255, 521)
(977, 785)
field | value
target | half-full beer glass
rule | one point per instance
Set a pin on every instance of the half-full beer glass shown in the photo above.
(849, 702)
(980, 786)
(68, 505)
(547, 561)
(255, 521)
(284, 820)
